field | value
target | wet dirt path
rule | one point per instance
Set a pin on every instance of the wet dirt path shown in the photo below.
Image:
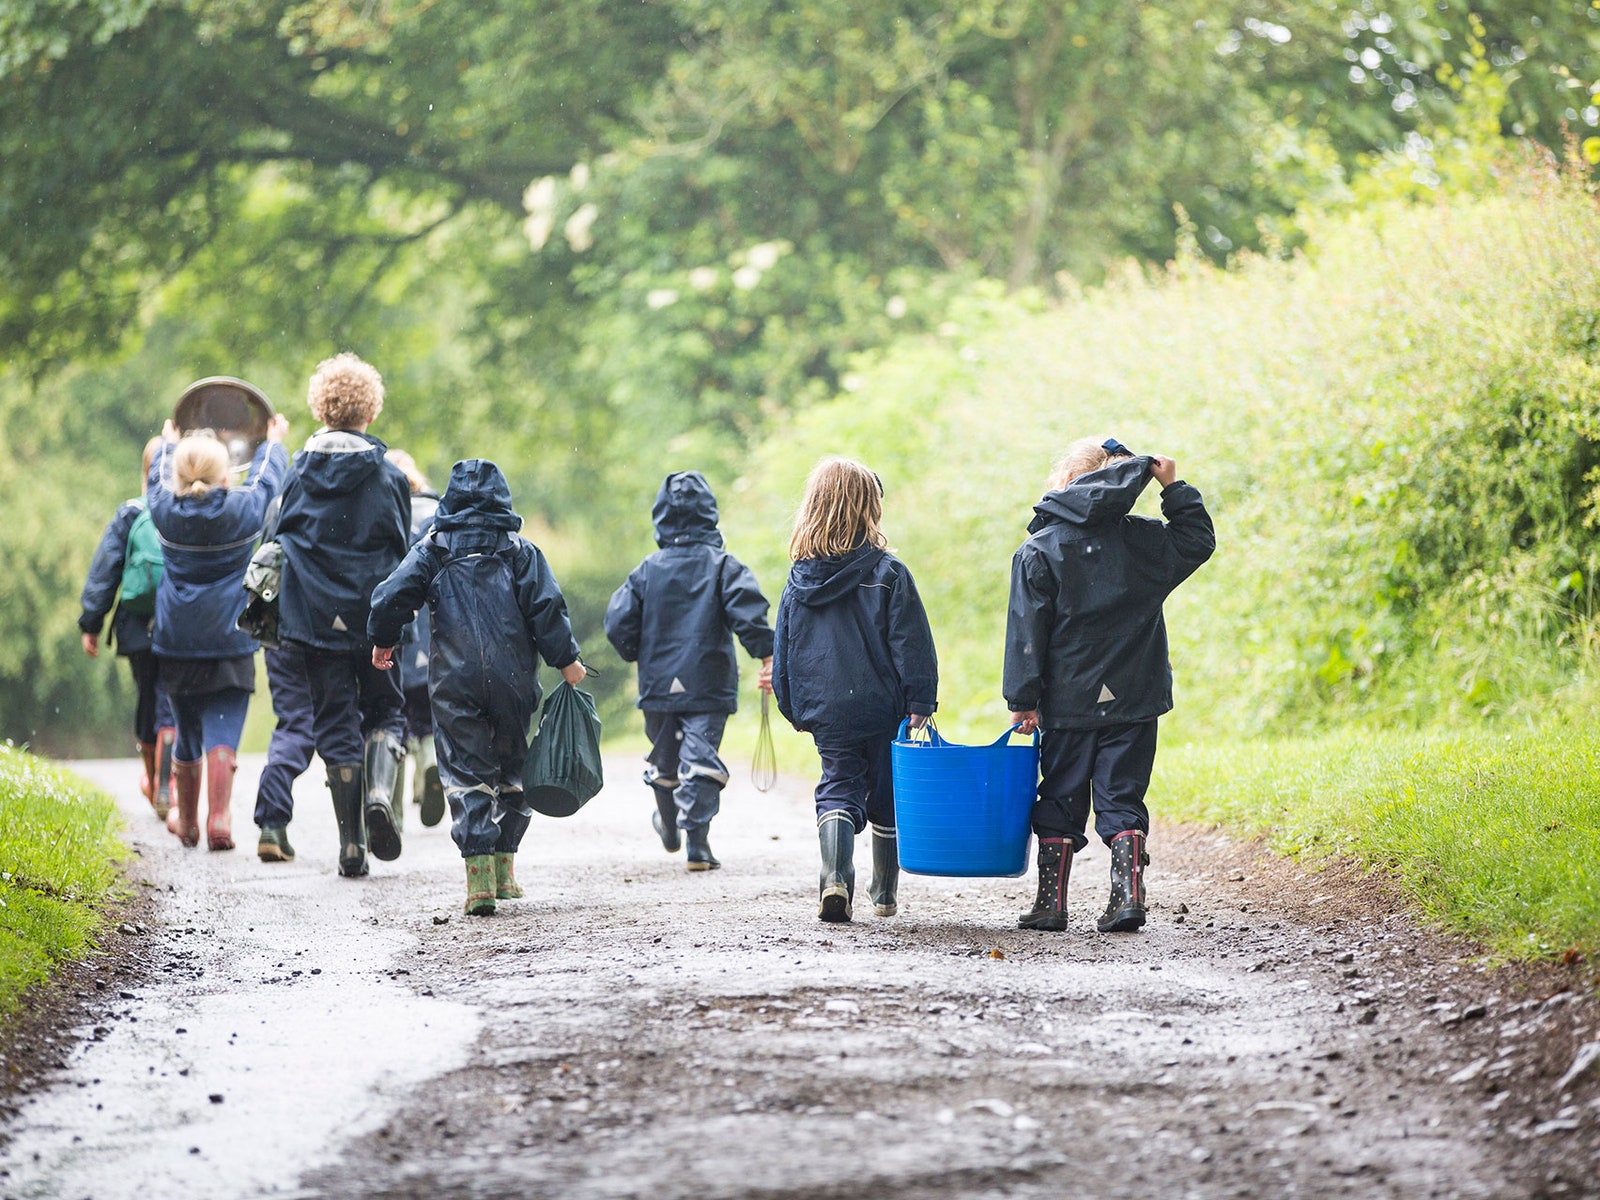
(630, 1030)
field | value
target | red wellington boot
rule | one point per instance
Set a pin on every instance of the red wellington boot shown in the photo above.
(184, 818)
(147, 771)
(221, 763)
(162, 800)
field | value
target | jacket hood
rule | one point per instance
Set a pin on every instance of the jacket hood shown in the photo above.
(336, 461)
(819, 581)
(685, 511)
(1096, 497)
(478, 497)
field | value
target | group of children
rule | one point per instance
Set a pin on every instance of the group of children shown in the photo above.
(849, 658)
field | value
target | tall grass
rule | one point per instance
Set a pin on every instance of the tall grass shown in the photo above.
(58, 869)
(1495, 833)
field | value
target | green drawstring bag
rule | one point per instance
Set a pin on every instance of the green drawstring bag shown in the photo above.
(562, 771)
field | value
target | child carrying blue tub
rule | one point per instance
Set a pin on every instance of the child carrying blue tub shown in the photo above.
(854, 656)
(1086, 660)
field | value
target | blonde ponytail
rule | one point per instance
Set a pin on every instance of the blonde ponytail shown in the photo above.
(199, 464)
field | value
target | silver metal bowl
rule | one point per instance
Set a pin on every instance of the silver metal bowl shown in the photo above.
(236, 411)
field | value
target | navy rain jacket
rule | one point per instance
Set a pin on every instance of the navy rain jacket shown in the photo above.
(854, 652)
(206, 542)
(414, 642)
(131, 632)
(678, 613)
(493, 598)
(1086, 642)
(343, 527)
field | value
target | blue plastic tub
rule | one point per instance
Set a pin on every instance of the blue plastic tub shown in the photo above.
(963, 810)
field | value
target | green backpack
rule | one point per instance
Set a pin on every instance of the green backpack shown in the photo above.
(141, 566)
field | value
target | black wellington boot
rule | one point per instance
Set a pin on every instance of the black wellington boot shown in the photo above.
(385, 754)
(699, 853)
(665, 819)
(1049, 910)
(885, 871)
(1125, 911)
(344, 782)
(837, 836)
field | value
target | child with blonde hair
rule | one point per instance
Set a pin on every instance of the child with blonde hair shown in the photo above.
(853, 657)
(1086, 660)
(206, 665)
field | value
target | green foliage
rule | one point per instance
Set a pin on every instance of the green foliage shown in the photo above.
(1496, 834)
(1394, 432)
(58, 855)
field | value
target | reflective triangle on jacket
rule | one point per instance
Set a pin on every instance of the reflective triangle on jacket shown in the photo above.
(338, 623)
(1105, 695)
(677, 686)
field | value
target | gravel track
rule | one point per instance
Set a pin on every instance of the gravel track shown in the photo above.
(630, 1030)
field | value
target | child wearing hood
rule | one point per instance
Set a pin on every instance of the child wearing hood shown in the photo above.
(677, 616)
(854, 656)
(496, 609)
(1086, 660)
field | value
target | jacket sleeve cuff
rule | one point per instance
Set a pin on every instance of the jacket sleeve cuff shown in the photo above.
(921, 708)
(91, 624)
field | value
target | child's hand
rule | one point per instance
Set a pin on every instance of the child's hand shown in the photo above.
(277, 428)
(574, 672)
(383, 657)
(1027, 722)
(916, 720)
(91, 645)
(1163, 469)
(169, 431)
(764, 680)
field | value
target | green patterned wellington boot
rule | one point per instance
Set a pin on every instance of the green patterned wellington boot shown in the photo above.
(480, 885)
(506, 886)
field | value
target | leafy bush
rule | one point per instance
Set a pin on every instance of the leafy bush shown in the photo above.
(1395, 430)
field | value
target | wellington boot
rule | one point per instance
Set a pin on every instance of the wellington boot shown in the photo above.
(1049, 910)
(162, 800)
(184, 818)
(837, 882)
(1125, 910)
(665, 819)
(147, 772)
(885, 871)
(273, 844)
(698, 856)
(385, 755)
(430, 792)
(221, 763)
(480, 885)
(344, 783)
(506, 886)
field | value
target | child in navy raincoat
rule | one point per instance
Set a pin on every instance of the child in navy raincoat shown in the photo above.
(343, 528)
(496, 610)
(677, 616)
(206, 664)
(132, 632)
(1086, 660)
(854, 656)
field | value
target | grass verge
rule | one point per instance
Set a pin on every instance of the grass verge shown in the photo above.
(58, 869)
(1495, 833)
